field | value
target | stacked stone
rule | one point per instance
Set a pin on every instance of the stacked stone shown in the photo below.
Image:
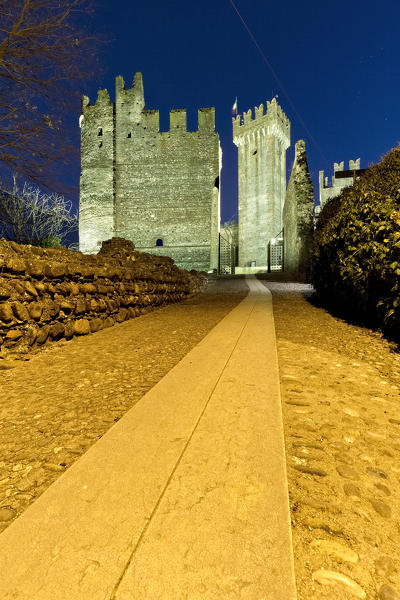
(53, 293)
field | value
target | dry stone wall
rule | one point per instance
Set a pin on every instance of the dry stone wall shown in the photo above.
(54, 293)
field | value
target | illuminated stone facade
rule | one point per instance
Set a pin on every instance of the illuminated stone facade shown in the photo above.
(158, 189)
(340, 180)
(262, 143)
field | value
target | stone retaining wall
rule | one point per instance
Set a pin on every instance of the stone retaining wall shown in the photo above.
(53, 293)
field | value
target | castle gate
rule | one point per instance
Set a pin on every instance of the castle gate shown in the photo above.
(228, 254)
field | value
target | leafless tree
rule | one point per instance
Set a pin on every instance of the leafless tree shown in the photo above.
(29, 216)
(44, 50)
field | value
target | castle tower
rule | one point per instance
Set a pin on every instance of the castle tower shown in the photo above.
(96, 201)
(158, 189)
(341, 178)
(262, 144)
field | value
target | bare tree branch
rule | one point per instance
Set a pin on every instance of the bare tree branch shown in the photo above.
(28, 216)
(44, 52)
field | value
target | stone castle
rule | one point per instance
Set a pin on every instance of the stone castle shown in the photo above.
(341, 178)
(161, 189)
(262, 143)
(158, 189)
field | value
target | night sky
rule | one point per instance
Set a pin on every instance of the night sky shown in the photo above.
(337, 62)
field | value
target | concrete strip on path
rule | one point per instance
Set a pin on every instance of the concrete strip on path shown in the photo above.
(185, 498)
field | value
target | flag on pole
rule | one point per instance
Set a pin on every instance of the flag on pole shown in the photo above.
(235, 108)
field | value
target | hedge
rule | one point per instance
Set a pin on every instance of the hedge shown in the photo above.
(356, 247)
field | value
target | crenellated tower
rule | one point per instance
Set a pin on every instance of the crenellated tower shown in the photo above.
(341, 178)
(158, 189)
(97, 185)
(262, 142)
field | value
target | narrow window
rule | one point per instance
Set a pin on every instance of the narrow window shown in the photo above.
(100, 144)
(129, 135)
(216, 182)
(159, 242)
(99, 131)
(255, 152)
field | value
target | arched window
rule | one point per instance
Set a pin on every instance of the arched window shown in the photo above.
(159, 242)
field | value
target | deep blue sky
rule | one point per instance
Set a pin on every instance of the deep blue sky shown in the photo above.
(339, 63)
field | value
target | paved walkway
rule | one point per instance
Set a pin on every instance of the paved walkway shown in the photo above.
(204, 511)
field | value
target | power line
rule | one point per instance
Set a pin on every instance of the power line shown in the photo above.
(279, 82)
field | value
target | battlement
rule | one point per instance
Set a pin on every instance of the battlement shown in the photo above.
(103, 99)
(259, 111)
(339, 173)
(354, 164)
(132, 99)
(340, 179)
(158, 188)
(206, 119)
(130, 108)
(178, 119)
(273, 110)
(272, 122)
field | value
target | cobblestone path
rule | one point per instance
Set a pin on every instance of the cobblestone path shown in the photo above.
(56, 405)
(340, 395)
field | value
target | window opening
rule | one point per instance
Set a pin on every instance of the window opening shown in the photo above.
(216, 182)
(100, 131)
(100, 144)
(159, 242)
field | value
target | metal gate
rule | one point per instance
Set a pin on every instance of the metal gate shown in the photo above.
(227, 256)
(275, 255)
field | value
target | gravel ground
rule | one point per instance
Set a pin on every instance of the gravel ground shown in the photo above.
(340, 402)
(56, 405)
(341, 417)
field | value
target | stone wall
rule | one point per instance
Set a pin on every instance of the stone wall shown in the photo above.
(54, 293)
(298, 216)
(262, 144)
(340, 180)
(159, 189)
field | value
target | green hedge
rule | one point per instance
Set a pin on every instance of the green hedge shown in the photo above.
(356, 247)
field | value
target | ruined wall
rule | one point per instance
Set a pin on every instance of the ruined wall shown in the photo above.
(54, 293)
(156, 185)
(262, 144)
(327, 191)
(297, 216)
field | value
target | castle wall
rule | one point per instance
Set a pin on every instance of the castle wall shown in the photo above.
(326, 191)
(166, 185)
(262, 144)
